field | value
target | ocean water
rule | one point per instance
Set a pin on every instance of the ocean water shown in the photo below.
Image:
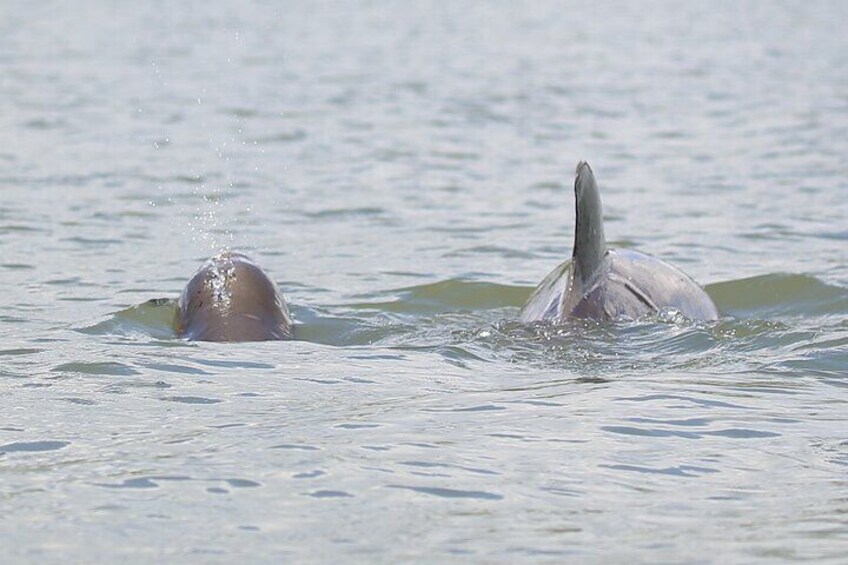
(403, 171)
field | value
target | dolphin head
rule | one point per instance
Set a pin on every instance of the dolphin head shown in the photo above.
(230, 298)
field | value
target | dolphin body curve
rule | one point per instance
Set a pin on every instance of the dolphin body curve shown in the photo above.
(230, 298)
(611, 284)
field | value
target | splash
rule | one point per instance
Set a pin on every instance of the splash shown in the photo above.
(221, 276)
(207, 224)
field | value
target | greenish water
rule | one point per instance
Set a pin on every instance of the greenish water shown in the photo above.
(403, 172)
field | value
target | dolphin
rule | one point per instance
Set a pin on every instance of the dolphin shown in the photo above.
(230, 298)
(600, 283)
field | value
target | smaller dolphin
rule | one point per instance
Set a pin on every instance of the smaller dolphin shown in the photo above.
(231, 299)
(610, 284)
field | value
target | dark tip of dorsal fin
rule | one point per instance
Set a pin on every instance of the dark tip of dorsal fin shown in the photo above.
(589, 243)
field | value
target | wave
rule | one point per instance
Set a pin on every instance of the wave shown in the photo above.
(785, 322)
(151, 319)
(778, 295)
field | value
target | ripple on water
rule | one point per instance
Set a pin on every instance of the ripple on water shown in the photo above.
(155, 481)
(20, 351)
(309, 474)
(450, 493)
(80, 401)
(96, 368)
(330, 494)
(434, 465)
(174, 368)
(296, 447)
(734, 433)
(33, 446)
(192, 400)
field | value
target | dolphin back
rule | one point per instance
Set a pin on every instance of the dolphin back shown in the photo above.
(545, 304)
(638, 285)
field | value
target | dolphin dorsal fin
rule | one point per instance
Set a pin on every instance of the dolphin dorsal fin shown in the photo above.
(590, 246)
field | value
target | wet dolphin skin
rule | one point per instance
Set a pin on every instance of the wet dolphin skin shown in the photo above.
(231, 298)
(610, 284)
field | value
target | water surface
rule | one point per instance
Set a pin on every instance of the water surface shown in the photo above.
(403, 171)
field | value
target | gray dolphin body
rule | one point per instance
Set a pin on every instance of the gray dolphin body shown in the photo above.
(231, 299)
(609, 284)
